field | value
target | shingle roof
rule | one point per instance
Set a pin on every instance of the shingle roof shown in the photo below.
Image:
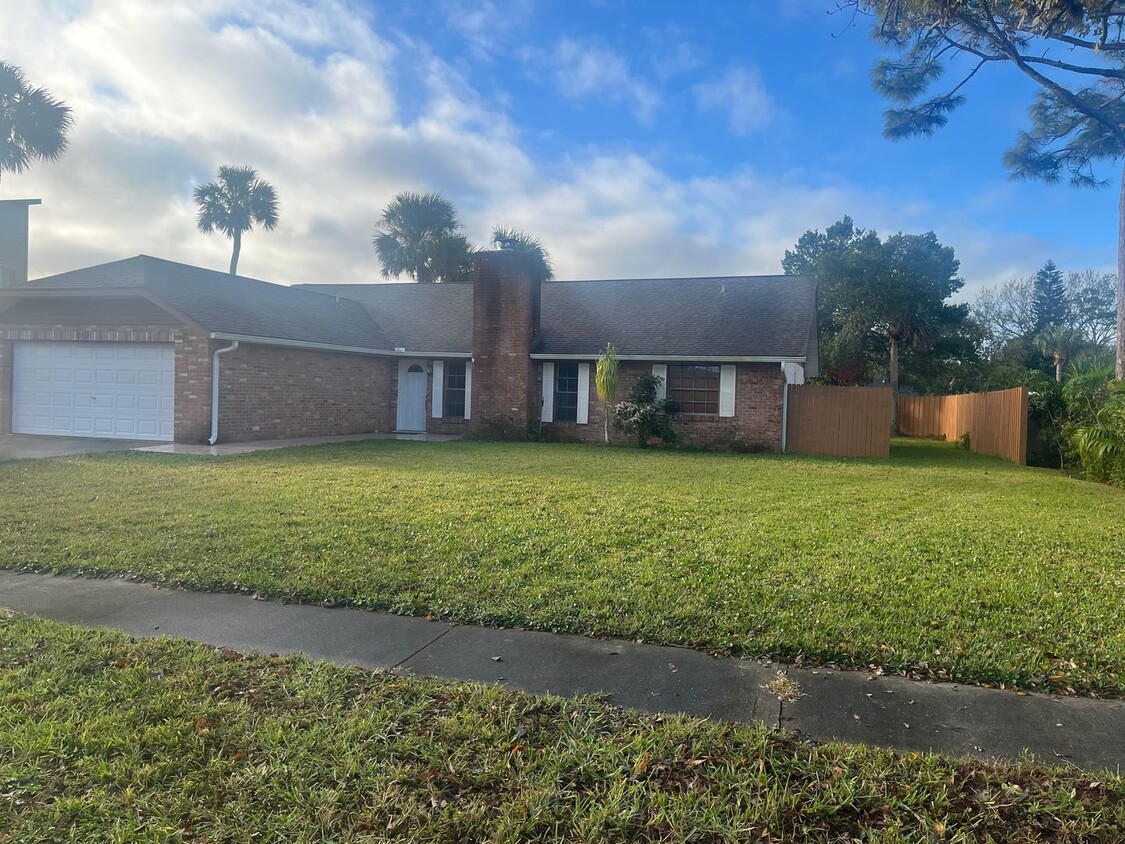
(233, 305)
(736, 316)
(432, 318)
(772, 317)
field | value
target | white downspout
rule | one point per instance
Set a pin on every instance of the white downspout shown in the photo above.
(784, 411)
(215, 390)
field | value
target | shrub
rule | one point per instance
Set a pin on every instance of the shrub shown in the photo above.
(644, 415)
(1100, 444)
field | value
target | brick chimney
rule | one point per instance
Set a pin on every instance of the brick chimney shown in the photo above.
(504, 398)
(13, 241)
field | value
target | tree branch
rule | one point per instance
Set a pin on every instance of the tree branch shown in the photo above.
(996, 36)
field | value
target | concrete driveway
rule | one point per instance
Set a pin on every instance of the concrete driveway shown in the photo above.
(25, 446)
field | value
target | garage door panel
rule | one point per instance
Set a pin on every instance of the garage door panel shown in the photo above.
(129, 393)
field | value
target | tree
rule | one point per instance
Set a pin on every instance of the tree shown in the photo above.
(1058, 342)
(517, 241)
(605, 379)
(1049, 297)
(1073, 50)
(1006, 312)
(234, 204)
(839, 257)
(420, 235)
(878, 296)
(33, 124)
(1090, 305)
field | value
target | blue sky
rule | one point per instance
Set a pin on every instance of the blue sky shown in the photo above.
(636, 139)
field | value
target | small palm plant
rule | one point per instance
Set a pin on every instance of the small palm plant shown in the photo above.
(234, 204)
(605, 378)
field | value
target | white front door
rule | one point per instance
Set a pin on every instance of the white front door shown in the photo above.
(412, 383)
(111, 390)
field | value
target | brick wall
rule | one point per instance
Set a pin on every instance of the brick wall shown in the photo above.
(505, 396)
(272, 392)
(757, 419)
(193, 366)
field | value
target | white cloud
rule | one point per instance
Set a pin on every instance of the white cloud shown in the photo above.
(340, 116)
(741, 96)
(586, 70)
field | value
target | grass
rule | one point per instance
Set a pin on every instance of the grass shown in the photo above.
(937, 562)
(107, 739)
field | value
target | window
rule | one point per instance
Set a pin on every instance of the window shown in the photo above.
(455, 389)
(695, 388)
(566, 392)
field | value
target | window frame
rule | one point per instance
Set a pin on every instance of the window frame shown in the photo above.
(451, 395)
(694, 394)
(569, 413)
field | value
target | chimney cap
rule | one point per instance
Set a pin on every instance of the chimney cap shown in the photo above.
(21, 201)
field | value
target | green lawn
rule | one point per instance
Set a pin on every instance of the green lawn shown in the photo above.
(937, 561)
(104, 739)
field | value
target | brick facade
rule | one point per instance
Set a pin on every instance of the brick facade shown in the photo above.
(272, 392)
(192, 401)
(505, 396)
(756, 422)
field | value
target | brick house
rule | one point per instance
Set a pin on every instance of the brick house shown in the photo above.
(150, 349)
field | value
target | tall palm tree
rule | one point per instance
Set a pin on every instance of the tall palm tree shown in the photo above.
(234, 204)
(1058, 342)
(517, 241)
(33, 124)
(419, 235)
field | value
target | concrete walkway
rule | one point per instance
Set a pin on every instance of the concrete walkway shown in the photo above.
(848, 705)
(269, 445)
(33, 446)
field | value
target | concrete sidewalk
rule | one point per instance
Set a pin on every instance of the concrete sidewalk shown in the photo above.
(847, 705)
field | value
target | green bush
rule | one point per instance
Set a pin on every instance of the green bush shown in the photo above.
(1100, 442)
(644, 415)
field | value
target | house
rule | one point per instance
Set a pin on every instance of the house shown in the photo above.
(150, 349)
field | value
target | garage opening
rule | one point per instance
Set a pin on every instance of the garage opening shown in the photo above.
(109, 390)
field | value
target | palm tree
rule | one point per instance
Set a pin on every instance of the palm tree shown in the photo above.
(1057, 342)
(605, 379)
(419, 234)
(33, 124)
(517, 241)
(234, 204)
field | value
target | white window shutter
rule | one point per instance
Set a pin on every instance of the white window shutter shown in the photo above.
(726, 389)
(548, 412)
(439, 388)
(583, 393)
(660, 370)
(468, 389)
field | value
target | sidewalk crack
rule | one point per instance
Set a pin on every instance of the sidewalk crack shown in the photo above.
(428, 644)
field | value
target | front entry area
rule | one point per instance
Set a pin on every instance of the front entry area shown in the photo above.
(107, 390)
(412, 385)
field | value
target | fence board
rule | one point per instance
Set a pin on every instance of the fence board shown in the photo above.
(996, 422)
(839, 421)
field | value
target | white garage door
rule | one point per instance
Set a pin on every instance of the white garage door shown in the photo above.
(111, 390)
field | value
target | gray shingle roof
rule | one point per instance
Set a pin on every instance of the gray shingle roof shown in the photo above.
(769, 317)
(737, 316)
(432, 318)
(233, 305)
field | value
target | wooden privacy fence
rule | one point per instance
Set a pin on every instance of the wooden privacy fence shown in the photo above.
(841, 421)
(996, 422)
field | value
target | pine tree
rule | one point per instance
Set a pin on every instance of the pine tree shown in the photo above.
(1049, 304)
